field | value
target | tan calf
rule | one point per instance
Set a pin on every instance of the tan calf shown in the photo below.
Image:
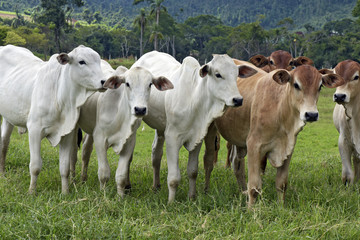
(276, 107)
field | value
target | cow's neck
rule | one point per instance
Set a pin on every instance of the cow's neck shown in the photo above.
(123, 124)
(204, 110)
(70, 97)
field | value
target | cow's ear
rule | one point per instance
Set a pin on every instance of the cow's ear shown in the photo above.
(246, 71)
(114, 82)
(63, 58)
(302, 61)
(162, 83)
(204, 70)
(281, 77)
(259, 60)
(326, 71)
(332, 80)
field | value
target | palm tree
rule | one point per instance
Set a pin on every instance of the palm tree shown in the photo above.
(156, 7)
(141, 20)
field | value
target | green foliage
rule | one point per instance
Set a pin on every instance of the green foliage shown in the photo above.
(14, 39)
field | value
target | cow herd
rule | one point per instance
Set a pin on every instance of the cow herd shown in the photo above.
(258, 107)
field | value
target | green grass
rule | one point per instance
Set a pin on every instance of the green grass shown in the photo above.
(318, 206)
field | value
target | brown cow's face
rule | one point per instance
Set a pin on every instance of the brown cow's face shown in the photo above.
(306, 83)
(280, 60)
(349, 70)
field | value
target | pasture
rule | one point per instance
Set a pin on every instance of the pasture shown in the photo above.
(318, 205)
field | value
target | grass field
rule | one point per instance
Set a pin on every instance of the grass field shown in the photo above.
(318, 206)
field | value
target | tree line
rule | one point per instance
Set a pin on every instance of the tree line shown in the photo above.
(52, 29)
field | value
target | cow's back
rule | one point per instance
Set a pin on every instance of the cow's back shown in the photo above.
(17, 78)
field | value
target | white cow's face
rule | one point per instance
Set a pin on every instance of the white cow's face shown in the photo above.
(221, 74)
(84, 67)
(137, 83)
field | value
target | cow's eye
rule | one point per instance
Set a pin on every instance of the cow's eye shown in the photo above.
(291, 63)
(272, 62)
(82, 62)
(127, 84)
(356, 78)
(150, 84)
(296, 86)
(218, 75)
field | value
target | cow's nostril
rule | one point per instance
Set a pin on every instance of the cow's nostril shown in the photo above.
(140, 111)
(339, 97)
(237, 102)
(102, 82)
(311, 116)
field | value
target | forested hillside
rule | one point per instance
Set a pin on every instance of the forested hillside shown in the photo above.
(231, 12)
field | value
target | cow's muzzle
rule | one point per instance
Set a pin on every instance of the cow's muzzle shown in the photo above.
(339, 97)
(237, 102)
(140, 111)
(311, 116)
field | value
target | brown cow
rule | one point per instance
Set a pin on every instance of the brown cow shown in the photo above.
(346, 119)
(279, 60)
(276, 107)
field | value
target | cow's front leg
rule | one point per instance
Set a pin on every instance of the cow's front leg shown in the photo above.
(345, 154)
(122, 172)
(103, 165)
(192, 170)
(6, 130)
(156, 155)
(282, 180)
(85, 155)
(35, 157)
(254, 176)
(174, 177)
(67, 147)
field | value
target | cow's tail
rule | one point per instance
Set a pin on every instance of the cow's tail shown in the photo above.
(79, 137)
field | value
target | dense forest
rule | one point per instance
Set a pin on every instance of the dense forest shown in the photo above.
(326, 31)
(230, 12)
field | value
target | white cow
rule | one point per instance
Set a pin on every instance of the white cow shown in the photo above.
(45, 98)
(112, 118)
(183, 115)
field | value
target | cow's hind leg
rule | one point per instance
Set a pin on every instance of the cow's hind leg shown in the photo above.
(122, 171)
(209, 155)
(239, 166)
(156, 155)
(356, 161)
(192, 170)
(87, 148)
(6, 130)
(282, 180)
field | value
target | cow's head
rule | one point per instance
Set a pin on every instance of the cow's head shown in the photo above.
(349, 70)
(137, 84)
(84, 67)
(279, 60)
(305, 83)
(221, 74)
